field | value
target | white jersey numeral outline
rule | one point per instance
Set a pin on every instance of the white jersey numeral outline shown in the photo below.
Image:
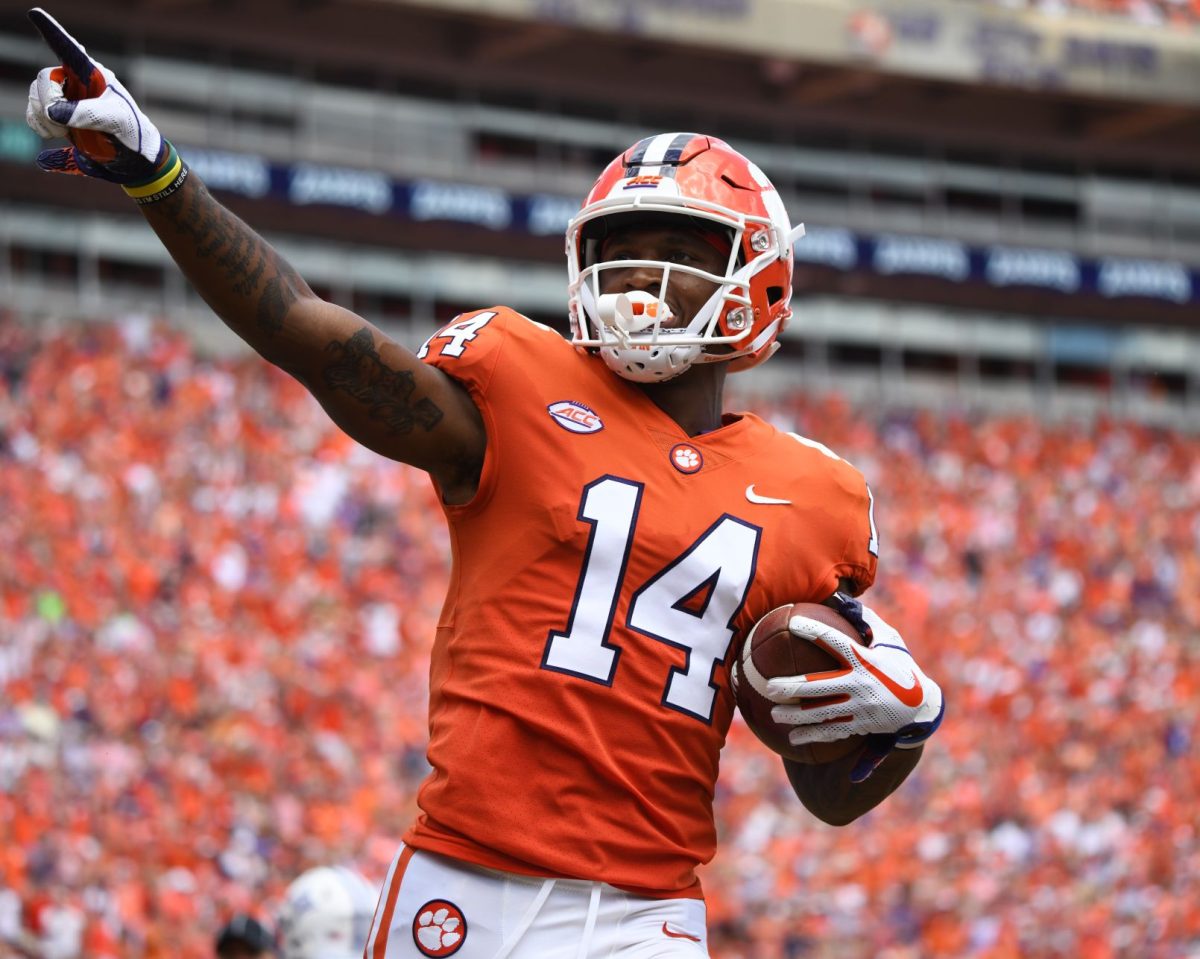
(719, 566)
(610, 505)
(459, 333)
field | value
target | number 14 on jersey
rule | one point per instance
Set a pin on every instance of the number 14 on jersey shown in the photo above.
(689, 604)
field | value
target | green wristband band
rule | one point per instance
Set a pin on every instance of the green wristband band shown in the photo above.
(170, 162)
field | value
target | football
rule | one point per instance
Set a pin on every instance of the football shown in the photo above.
(771, 650)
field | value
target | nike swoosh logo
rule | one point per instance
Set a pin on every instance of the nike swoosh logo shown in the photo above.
(678, 935)
(765, 500)
(911, 696)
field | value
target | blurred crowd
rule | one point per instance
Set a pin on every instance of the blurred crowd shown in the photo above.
(1183, 14)
(215, 615)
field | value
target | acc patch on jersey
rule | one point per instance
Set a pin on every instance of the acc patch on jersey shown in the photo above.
(439, 928)
(575, 417)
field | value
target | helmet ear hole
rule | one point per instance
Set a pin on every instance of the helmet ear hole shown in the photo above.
(774, 294)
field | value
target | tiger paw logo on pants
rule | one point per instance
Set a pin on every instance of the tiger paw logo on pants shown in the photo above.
(439, 928)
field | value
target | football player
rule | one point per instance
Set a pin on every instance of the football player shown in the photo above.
(614, 532)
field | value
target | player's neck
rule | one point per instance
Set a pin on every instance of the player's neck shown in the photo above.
(694, 400)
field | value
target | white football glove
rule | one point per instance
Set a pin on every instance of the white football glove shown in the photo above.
(112, 139)
(880, 692)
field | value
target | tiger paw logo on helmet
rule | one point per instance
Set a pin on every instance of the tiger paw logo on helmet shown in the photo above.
(439, 928)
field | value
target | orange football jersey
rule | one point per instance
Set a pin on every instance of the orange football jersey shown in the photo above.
(579, 683)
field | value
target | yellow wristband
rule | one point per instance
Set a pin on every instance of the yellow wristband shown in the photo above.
(148, 189)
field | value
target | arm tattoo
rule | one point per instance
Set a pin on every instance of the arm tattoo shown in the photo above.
(278, 295)
(358, 370)
(252, 267)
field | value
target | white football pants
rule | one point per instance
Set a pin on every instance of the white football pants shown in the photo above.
(432, 907)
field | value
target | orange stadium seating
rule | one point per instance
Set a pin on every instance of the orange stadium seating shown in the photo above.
(217, 609)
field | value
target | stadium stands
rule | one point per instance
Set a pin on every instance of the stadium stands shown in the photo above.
(217, 611)
(1182, 14)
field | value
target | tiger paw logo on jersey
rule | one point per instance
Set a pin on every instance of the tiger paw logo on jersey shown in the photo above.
(439, 928)
(686, 458)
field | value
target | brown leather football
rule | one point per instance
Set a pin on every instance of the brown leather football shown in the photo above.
(776, 652)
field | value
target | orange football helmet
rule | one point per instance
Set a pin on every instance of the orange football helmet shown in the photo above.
(706, 181)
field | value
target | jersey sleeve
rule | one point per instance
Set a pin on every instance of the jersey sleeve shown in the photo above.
(468, 347)
(497, 355)
(838, 513)
(855, 510)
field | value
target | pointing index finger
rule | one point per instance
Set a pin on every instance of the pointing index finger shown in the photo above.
(71, 54)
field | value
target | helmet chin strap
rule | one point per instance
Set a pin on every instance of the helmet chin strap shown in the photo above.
(621, 316)
(655, 364)
(618, 317)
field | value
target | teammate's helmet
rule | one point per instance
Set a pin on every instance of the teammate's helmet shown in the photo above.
(716, 189)
(326, 914)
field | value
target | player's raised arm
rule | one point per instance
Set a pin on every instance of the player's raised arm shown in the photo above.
(377, 391)
(373, 388)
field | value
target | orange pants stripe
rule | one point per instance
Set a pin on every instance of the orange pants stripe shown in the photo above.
(377, 944)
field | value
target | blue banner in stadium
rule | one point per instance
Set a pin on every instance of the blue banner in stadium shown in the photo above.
(1001, 266)
(545, 214)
